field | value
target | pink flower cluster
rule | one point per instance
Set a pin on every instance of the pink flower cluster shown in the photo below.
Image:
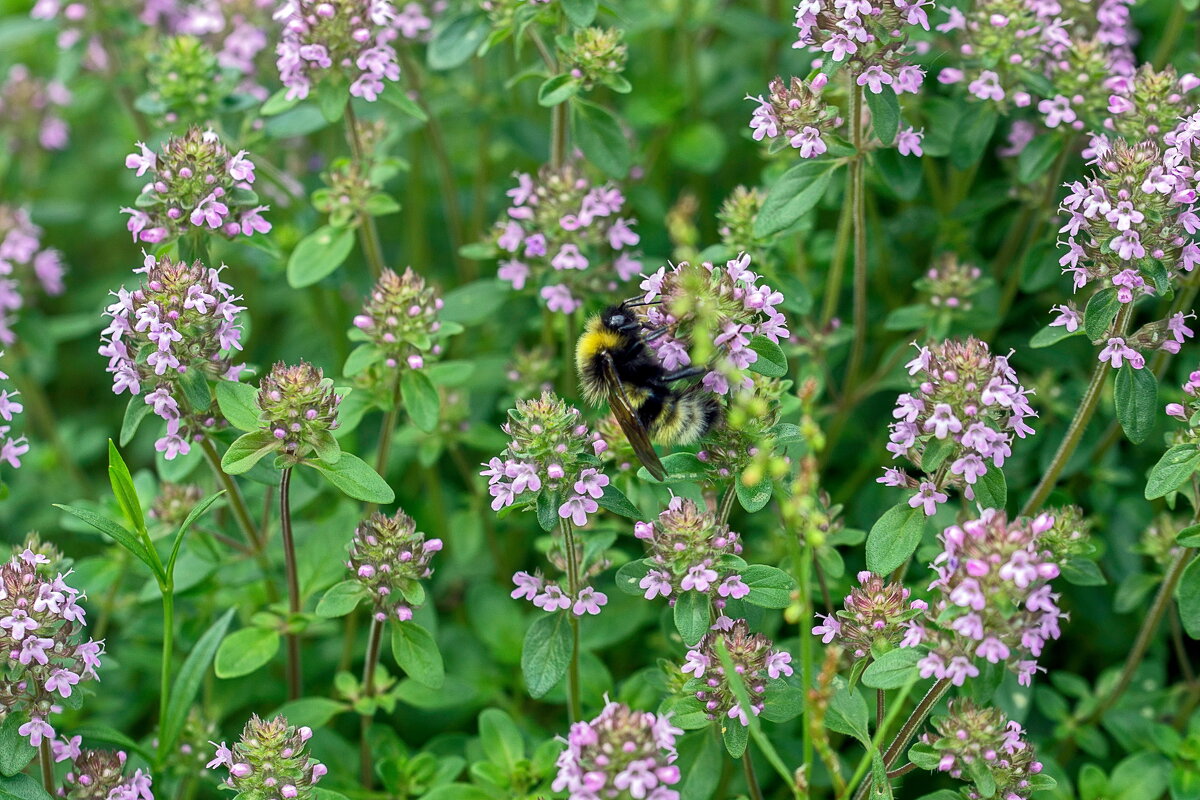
(41, 623)
(874, 612)
(622, 754)
(194, 184)
(725, 305)
(23, 260)
(271, 761)
(1146, 105)
(12, 448)
(236, 30)
(689, 551)
(99, 774)
(1180, 411)
(550, 596)
(1064, 58)
(561, 226)
(181, 318)
(796, 113)
(994, 599)
(971, 741)
(388, 557)
(870, 35)
(755, 660)
(30, 116)
(963, 414)
(324, 39)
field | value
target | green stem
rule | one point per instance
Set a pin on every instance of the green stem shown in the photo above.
(1171, 32)
(858, 205)
(1166, 592)
(168, 650)
(368, 232)
(751, 779)
(387, 429)
(911, 725)
(558, 115)
(726, 504)
(837, 267)
(573, 702)
(364, 749)
(293, 584)
(233, 494)
(46, 759)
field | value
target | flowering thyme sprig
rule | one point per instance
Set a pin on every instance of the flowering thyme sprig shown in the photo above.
(874, 614)
(712, 315)
(566, 237)
(330, 40)
(194, 185)
(41, 628)
(167, 338)
(400, 328)
(963, 413)
(993, 599)
(550, 466)
(980, 746)
(24, 264)
(270, 761)
(99, 774)
(298, 408)
(755, 660)
(621, 754)
(389, 558)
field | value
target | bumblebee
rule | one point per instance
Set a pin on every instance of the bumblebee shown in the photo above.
(616, 365)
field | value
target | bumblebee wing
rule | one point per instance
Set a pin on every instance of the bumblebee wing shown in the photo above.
(627, 418)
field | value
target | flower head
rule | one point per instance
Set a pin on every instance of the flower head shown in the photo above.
(754, 658)
(327, 39)
(270, 761)
(971, 741)
(621, 754)
(389, 558)
(100, 774)
(400, 320)
(299, 408)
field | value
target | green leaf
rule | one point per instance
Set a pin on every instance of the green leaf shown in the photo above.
(1187, 593)
(936, 451)
(356, 479)
(1136, 398)
(736, 736)
(885, 113)
(894, 538)
(771, 360)
(340, 599)
(782, 703)
(792, 196)
(239, 404)
(601, 140)
(417, 654)
(501, 740)
(397, 97)
(332, 97)
(547, 509)
(318, 255)
(680, 467)
(1174, 469)
(847, 714)
(1188, 537)
(277, 104)
(135, 411)
(558, 89)
(1052, 335)
(893, 669)
(187, 683)
(121, 536)
(124, 490)
(692, 616)
(457, 41)
(15, 750)
(753, 498)
(579, 12)
(311, 711)
(1038, 156)
(1078, 571)
(246, 451)
(22, 787)
(630, 575)
(615, 501)
(1101, 310)
(770, 587)
(195, 390)
(546, 653)
(197, 511)
(971, 136)
(246, 651)
(991, 490)
(421, 399)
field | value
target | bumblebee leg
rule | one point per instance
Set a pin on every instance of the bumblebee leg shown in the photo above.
(657, 333)
(683, 374)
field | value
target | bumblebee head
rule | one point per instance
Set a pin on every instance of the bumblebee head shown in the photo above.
(620, 318)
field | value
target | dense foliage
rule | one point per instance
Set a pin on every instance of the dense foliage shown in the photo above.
(305, 497)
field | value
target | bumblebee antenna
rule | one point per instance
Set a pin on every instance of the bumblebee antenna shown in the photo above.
(628, 304)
